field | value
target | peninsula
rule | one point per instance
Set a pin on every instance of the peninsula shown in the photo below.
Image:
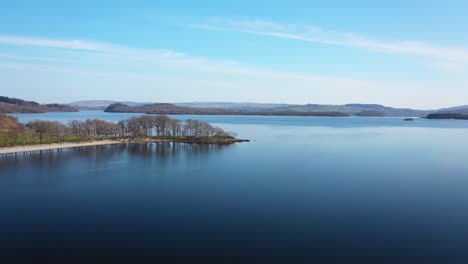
(47, 135)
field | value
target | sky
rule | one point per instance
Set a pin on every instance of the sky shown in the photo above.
(397, 53)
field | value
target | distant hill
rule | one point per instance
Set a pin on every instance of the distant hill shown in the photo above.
(278, 109)
(164, 108)
(455, 110)
(103, 104)
(100, 104)
(357, 110)
(234, 106)
(94, 104)
(370, 113)
(159, 108)
(447, 116)
(15, 105)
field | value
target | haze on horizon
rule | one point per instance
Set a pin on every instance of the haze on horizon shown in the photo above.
(402, 54)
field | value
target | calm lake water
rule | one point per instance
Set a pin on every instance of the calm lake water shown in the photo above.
(375, 190)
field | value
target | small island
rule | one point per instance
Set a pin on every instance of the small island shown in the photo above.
(48, 135)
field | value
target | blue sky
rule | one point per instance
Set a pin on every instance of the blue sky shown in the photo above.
(398, 53)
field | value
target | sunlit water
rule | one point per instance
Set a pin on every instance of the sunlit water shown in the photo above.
(305, 188)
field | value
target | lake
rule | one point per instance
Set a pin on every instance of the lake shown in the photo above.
(306, 189)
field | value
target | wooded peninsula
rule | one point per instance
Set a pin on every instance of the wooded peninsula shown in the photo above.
(145, 128)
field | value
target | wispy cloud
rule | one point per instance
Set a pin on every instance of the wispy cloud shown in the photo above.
(174, 69)
(315, 34)
(112, 54)
(117, 54)
(54, 43)
(85, 45)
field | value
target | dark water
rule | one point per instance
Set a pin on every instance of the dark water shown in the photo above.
(307, 190)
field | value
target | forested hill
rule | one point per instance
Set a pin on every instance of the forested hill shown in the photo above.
(372, 110)
(458, 112)
(171, 109)
(246, 108)
(15, 105)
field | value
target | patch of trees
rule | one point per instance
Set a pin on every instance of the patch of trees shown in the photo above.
(164, 126)
(16, 101)
(45, 132)
(93, 128)
(447, 116)
(9, 130)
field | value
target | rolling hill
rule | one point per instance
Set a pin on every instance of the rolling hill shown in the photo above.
(223, 108)
(15, 105)
(168, 109)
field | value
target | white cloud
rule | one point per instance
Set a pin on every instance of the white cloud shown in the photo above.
(85, 45)
(117, 54)
(318, 35)
(226, 79)
(54, 43)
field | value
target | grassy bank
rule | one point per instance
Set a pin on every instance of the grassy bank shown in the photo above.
(21, 139)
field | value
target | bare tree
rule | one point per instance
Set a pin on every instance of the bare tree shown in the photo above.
(161, 123)
(175, 127)
(123, 127)
(41, 127)
(141, 126)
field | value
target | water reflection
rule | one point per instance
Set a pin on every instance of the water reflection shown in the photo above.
(374, 193)
(55, 166)
(166, 149)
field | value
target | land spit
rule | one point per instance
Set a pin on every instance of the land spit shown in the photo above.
(58, 146)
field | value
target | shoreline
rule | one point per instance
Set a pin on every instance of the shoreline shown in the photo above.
(57, 146)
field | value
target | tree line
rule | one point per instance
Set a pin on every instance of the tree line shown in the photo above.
(44, 132)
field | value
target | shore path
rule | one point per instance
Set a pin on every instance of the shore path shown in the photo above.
(31, 148)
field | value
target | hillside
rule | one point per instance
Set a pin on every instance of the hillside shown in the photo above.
(103, 104)
(463, 110)
(458, 112)
(173, 109)
(162, 108)
(357, 110)
(15, 105)
(447, 116)
(100, 104)
(455, 108)
(220, 108)
(232, 108)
